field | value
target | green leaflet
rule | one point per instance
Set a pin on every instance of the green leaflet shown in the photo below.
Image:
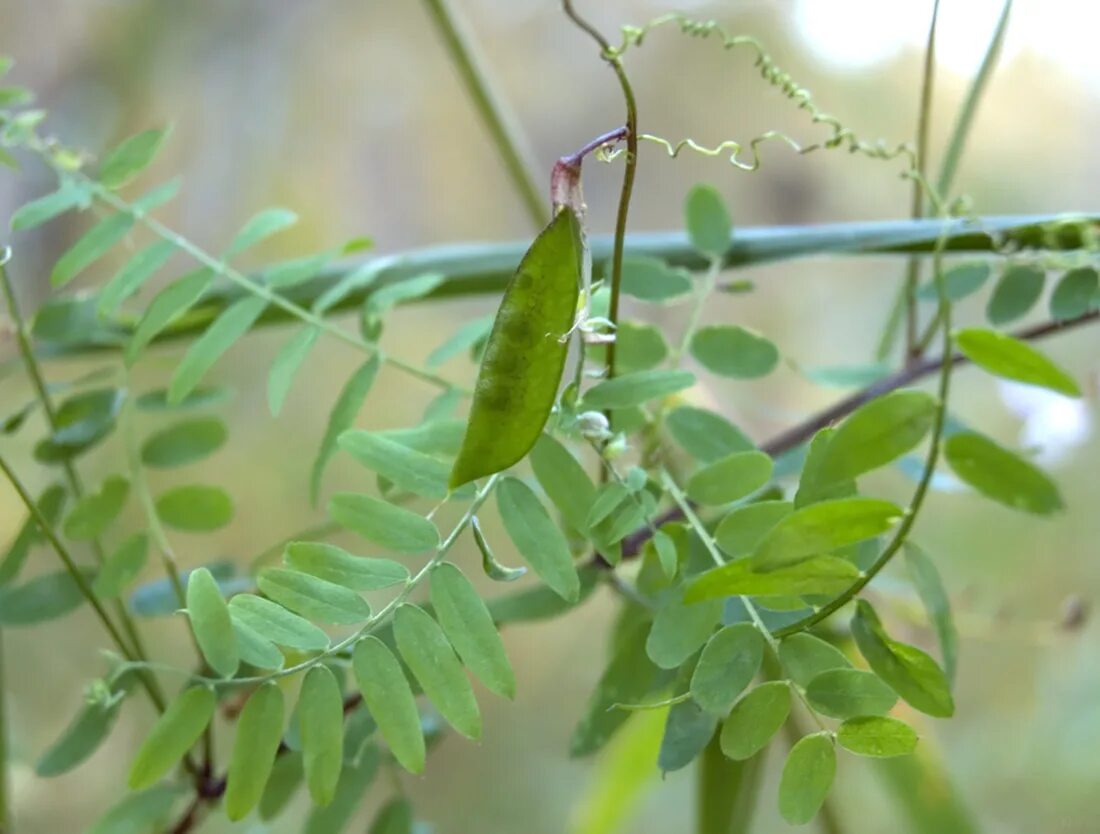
(276, 623)
(636, 389)
(628, 678)
(91, 247)
(743, 577)
(409, 469)
(664, 546)
(959, 282)
(877, 736)
(708, 221)
(807, 777)
(331, 563)
(383, 523)
(68, 196)
(94, 513)
(209, 616)
(471, 333)
(537, 538)
(1016, 293)
(467, 624)
(729, 662)
(734, 351)
(906, 669)
(804, 656)
(195, 508)
(388, 696)
(85, 733)
(315, 599)
(651, 279)
(688, 729)
(431, 659)
(926, 580)
(639, 347)
(286, 364)
(525, 355)
(824, 527)
(236, 320)
(680, 629)
(876, 433)
(254, 648)
(812, 487)
(133, 275)
(740, 532)
(185, 442)
(259, 732)
(321, 729)
(343, 415)
(1001, 475)
(396, 817)
(82, 421)
(730, 478)
(167, 306)
(175, 732)
(130, 157)
(157, 399)
(388, 296)
(846, 693)
(287, 274)
(1074, 294)
(282, 784)
(139, 813)
(755, 719)
(260, 226)
(1010, 358)
(43, 598)
(564, 480)
(354, 781)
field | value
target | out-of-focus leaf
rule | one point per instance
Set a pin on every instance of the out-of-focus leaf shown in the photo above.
(174, 733)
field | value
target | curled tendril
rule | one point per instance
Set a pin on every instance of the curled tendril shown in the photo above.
(775, 76)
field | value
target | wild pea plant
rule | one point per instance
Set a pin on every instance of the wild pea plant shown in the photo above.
(738, 566)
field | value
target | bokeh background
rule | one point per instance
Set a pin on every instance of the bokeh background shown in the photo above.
(350, 113)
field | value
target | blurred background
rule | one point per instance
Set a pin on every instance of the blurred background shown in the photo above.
(351, 114)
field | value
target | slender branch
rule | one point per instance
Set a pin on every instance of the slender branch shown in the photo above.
(492, 110)
(799, 434)
(5, 781)
(629, 170)
(916, 207)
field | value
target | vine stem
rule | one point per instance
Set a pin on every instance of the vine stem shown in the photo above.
(629, 169)
(38, 382)
(491, 108)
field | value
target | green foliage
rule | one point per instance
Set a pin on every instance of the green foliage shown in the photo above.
(1012, 359)
(999, 474)
(259, 732)
(321, 730)
(211, 624)
(175, 732)
(755, 719)
(734, 351)
(807, 777)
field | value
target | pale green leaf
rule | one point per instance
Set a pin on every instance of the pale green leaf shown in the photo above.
(260, 226)
(286, 365)
(1001, 475)
(94, 512)
(564, 480)
(70, 195)
(139, 813)
(167, 306)
(195, 508)
(467, 624)
(276, 623)
(637, 388)
(929, 586)
(846, 693)
(44, 598)
(740, 532)
(730, 478)
(807, 777)
(185, 442)
(688, 729)
(708, 221)
(321, 730)
(1013, 359)
(432, 660)
(130, 157)
(755, 719)
(210, 622)
(316, 599)
(383, 523)
(704, 435)
(222, 334)
(133, 275)
(650, 279)
(1015, 294)
(824, 527)
(340, 419)
(742, 577)
(259, 732)
(729, 662)
(877, 736)
(680, 629)
(804, 656)
(1075, 294)
(389, 698)
(537, 538)
(734, 351)
(959, 282)
(409, 469)
(174, 733)
(331, 563)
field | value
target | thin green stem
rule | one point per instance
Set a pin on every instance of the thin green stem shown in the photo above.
(947, 362)
(710, 278)
(491, 109)
(38, 382)
(629, 169)
(66, 558)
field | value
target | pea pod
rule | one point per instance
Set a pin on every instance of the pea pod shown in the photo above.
(525, 355)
